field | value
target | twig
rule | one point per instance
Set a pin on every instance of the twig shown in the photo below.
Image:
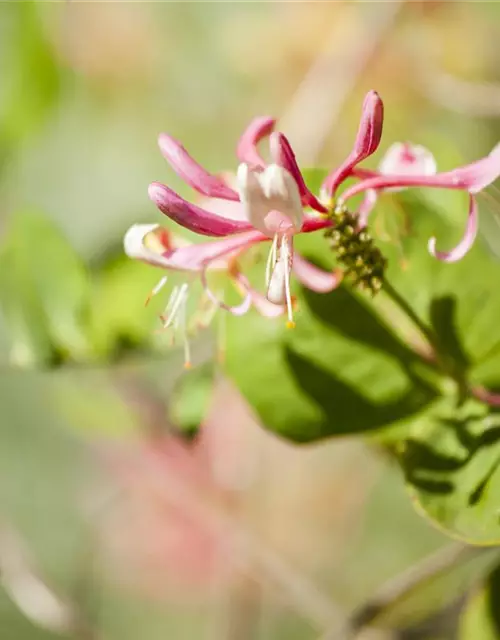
(399, 588)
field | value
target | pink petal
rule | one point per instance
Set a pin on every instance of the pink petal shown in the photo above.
(472, 178)
(370, 126)
(190, 216)
(192, 257)
(225, 208)
(283, 155)
(366, 143)
(193, 173)
(403, 158)
(247, 146)
(314, 223)
(313, 277)
(477, 175)
(458, 252)
(259, 301)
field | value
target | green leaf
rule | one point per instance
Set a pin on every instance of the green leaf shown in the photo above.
(481, 618)
(44, 292)
(452, 455)
(340, 371)
(451, 461)
(459, 300)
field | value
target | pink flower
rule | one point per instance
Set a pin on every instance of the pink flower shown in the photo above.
(267, 205)
(406, 165)
(158, 246)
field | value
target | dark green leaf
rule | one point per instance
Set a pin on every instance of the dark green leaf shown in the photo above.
(451, 460)
(340, 371)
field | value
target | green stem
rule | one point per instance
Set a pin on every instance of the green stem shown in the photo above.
(426, 331)
(444, 361)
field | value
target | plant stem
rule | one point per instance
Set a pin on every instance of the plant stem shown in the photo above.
(406, 308)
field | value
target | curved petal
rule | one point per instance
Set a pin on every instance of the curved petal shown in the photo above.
(458, 252)
(192, 217)
(260, 302)
(472, 178)
(313, 277)
(192, 257)
(476, 176)
(366, 143)
(191, 172)
(247, 146)
(283, 155)
(313, 223)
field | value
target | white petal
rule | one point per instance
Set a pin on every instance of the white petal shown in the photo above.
(408, 160)
(283, 193)
(272, 191)
(133, 244)
(276, 291)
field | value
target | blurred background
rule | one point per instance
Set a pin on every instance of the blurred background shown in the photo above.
(120, 517)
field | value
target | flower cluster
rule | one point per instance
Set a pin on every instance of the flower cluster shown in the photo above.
(270, 202)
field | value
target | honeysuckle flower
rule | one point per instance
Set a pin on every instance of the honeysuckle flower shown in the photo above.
(270, 202)
(406, 165)
(159, 247)
(266, 204)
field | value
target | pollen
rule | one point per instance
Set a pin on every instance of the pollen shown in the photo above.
(290, 324)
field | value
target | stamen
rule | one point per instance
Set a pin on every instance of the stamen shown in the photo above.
(156, 289)
(179, 300)
(185, 337)
(278, 286)
(287, 257)
(271, 258)
(171, 302)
